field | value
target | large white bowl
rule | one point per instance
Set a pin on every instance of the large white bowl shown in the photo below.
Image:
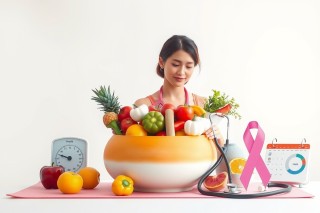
(160, 163)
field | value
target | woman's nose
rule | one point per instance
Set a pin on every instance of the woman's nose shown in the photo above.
(182, 70)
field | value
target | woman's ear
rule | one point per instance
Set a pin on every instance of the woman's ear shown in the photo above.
(161, 63)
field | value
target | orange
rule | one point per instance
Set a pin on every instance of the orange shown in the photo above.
(136, 130)
(217, 182)
(90, 176)
(237, 165)
(70, 183)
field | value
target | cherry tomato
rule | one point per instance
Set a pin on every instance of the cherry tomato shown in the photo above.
(184, 113)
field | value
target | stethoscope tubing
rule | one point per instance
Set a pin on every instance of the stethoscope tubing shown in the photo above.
(285, 188)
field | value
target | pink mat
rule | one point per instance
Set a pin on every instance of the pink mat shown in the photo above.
(103, 191)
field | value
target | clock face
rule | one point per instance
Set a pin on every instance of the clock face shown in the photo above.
(70, 157)
(71, 153)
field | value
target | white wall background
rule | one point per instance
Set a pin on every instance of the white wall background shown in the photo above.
(52, 53)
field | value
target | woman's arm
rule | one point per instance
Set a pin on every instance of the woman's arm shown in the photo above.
(199, 100)
(141, 101)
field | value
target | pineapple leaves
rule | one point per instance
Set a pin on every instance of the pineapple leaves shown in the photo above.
(106, 99)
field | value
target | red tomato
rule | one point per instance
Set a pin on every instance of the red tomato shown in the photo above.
(178, 125)
(184, 113)
(124, 113)
(167, 106)
(126, 123)
(161, 133)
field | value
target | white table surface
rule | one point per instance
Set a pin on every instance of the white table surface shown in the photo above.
(301, 205)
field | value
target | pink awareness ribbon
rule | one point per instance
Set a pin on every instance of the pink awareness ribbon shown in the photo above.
(254, 148)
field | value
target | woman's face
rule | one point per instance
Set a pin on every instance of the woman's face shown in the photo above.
(178, 68)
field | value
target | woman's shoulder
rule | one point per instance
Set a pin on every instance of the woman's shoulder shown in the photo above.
(141, 101)
(199, 100)
(149, 100)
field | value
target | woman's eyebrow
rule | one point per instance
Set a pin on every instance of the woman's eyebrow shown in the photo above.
(177, 60)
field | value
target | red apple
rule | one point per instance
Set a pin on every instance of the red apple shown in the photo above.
(125, 123)
(124, 113)
(49, 176)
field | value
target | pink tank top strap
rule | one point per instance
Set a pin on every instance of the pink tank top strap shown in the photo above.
(152, 101)
(160, 101)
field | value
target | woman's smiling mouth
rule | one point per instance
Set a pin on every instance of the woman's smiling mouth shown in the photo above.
(179, 79)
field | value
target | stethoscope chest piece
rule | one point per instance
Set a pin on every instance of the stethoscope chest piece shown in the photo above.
(232, 189)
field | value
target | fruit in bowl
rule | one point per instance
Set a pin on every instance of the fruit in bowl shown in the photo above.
(160, 164)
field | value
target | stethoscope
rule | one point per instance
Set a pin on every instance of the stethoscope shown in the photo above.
(232, 191)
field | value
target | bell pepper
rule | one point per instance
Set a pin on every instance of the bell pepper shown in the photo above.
(153, 122)
(122, 185)
(198, 110)
(139, 112)
(178, 125)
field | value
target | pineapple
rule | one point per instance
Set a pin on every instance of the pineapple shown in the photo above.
(110, 105)
(109, 102)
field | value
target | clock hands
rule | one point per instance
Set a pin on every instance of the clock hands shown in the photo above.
(69, 158)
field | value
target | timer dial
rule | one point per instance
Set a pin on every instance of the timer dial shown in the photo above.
(71, 153)
(70, 157)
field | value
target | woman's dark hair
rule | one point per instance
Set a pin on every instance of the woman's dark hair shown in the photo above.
(175, 43)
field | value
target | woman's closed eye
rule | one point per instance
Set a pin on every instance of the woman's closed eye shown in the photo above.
(177, 65)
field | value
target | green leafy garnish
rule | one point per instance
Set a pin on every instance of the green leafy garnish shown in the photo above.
(219, 100)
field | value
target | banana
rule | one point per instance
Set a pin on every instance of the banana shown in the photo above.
(199, 111)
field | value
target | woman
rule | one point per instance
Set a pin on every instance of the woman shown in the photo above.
(177, 60)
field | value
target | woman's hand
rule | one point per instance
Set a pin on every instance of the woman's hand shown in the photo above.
(214, 130)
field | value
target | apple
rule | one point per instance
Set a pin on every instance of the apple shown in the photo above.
(125, 123)
(124, 113)
(49, 176)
